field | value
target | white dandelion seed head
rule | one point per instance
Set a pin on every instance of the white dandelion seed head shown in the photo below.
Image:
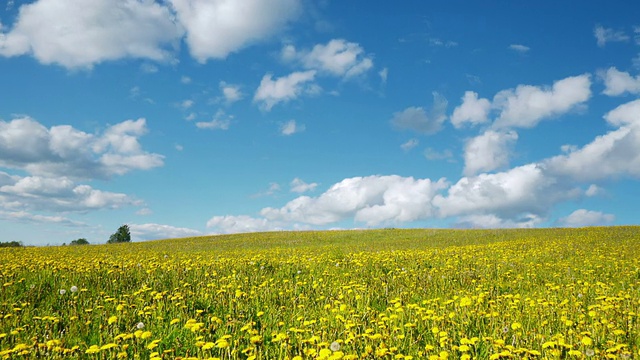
(335, 346)
(589, 352)
(140, 325)
(74, 289)
(63, 291)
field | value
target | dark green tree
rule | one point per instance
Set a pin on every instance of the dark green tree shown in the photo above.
(11, 244)
(81, 241)
(122, 235)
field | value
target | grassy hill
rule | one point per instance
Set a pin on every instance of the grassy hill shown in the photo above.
(360, 294)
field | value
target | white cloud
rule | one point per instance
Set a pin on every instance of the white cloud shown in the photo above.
(491, 221)
(92, 31)
(614, 154)
(417, 119)
(186, 104)
(291, 127)
(373, 200)
(238, 224)
(56, 194)
(144, 212)
(432, 154)
(284, 89)
(23, 216)
(217, 28)
(159, 231)
(439, 42)
(230, 92)
(185, 79)
(527, 105)
(617, 82)
(522, 49)
(594, 190)
(65, 151)
(299, 186)
(148, 68)
(488, 151)
(472, 110)
(384, 74)
(409, 144)
(625, 114)
(510, 195)
(338, 57)
(582, 217)
(220, 121)
(604, 35)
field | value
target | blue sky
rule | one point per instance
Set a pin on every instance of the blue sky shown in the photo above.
(194, 117)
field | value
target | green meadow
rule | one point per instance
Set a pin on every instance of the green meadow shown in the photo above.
(359, 294)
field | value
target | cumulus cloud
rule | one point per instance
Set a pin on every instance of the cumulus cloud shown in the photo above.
(291, 127)
(299, 186)
(582, 217)
(419, 120)
(217, 28)
(614, 154)
(230, 92)
(239, 224)
(510, 195)
(283, 89)
(372, 200)
(65, 151)
(220, 121)
(488, 151)
(472, 111)
(527, 105)
(159, 231)
(618, 82)
(93, 31)
(338, 57)
(604, 35)
(56, 194)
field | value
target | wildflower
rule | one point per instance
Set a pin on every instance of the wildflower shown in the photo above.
(74, 289)
(589, 352)
(63, 291)
(140, 325)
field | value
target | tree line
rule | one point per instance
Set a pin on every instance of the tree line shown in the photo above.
(123, 235)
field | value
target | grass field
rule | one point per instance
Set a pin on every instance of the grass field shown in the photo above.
(389, 294)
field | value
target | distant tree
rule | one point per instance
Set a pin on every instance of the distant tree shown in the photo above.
(81, 241)
(11, 244)
(122, 235)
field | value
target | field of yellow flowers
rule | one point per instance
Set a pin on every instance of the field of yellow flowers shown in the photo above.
(376, 294)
